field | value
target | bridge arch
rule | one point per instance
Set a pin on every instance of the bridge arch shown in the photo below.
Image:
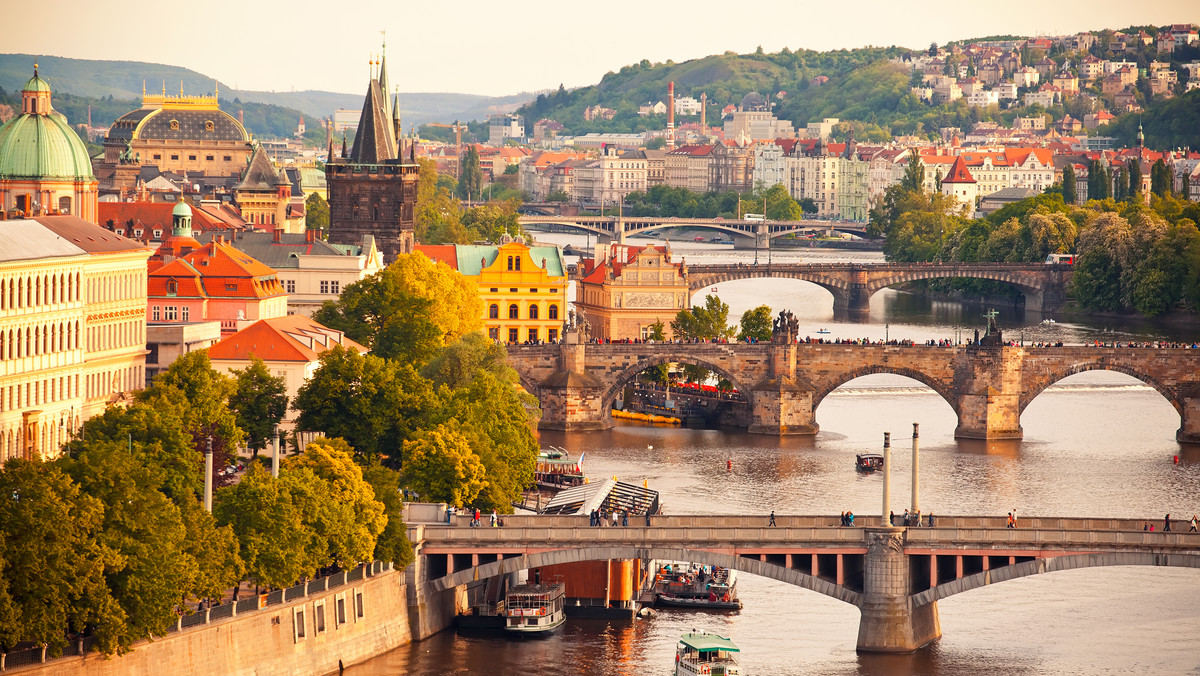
(945, 390)
(619, 380)
(1050, 565)
(1031, 390)
(1033, 293)
(701, 556)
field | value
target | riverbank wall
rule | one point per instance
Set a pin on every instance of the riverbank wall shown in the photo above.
(336, 621)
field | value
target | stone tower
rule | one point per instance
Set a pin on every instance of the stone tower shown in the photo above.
(372, 190)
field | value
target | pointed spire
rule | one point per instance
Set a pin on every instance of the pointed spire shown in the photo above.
(343, 144)
(1141, 138)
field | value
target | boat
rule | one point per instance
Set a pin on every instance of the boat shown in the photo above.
(868, 462)
(704, 654)
(685, 585)
(822, 330)
(556, 468)
(534, 609)
(717, 239)
(1049, 321)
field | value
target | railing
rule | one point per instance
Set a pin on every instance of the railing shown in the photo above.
(83, 644)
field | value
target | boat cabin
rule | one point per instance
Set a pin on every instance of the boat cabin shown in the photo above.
(868, 462)
(703, 654)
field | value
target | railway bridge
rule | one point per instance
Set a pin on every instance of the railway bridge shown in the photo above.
(987, 386)
(746, 234)
(893, 575)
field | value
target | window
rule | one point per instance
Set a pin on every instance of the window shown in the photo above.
(290, 285)
(209, 126)
(494, 333)
(358, 604)
(228, 158)
(175, 157)
(208, 158)
(552, 335)
(192, 158)
(494, 290)
(335, 286)
(518, 261)
(494, 311)
(64, 205)
(324, 286)
(298, 625)
(184, 313)
(512, 311)
(533, 335)
(158, 234)
(158, 156)
(172, 287)
(533, 312)
(533, 291)
(510, 262)
(553, 290)
(319, 617)
(339, 611)
(171, 313)
(512, 336)
(553, 312)
(512, 290)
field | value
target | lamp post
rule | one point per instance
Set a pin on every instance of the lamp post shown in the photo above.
(887, 479)
(275, 455)
(885, 333)
(208, 476)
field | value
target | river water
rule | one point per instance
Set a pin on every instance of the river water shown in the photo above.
(1096, 444)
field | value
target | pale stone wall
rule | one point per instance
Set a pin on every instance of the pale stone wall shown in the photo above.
(263, 641)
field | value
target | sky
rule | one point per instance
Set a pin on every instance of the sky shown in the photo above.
(499, 48)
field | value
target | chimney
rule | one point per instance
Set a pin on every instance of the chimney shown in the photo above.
(310, 235)
(241, 121)
(671, 115)
(703, 113)
(278, 235)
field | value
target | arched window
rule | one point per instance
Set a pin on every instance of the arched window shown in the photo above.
(533, 311)
(64, 205)
(517, 262)
(510, 262)
(553, 312)
(512, 311)
(494, 311)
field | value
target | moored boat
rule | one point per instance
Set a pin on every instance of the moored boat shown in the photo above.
(556, 469)
(868, 462)
(704, 654)
(694, 586)
(534, 608)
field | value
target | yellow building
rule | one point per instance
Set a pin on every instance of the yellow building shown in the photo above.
(523, 288)
(626, 289)
(72, 328)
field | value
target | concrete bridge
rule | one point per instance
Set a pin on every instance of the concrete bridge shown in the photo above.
(852, 284)
(784, 383)
(893, 575)
(745, 234)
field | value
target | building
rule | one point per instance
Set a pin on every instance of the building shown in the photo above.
(373, 191)
(167, 342)
(72, 328)
(153, 221)
(178, 134)
(504, 127)
(291, 347)
(689, 167)
(191, 282)
(961, 185)
(523, 288)
(626, 289)
(311, 271)
(732, 167)
(611, 177)
(44, 166)
(264, 196)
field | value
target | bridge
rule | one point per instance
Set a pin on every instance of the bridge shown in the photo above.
(852, 284)
(745, 234)
(893, 575)
(987, 386)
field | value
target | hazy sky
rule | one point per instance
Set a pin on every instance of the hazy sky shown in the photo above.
(499, 48)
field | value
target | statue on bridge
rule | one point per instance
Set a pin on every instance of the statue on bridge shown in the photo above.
(785, 328)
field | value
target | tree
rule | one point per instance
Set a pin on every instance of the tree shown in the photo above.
(1135, 179)
(344, 515)
(1160, 179)
(558, 196)
(53, 564)
(756, 324)
(470, 179)
(705, 322)
(274, 541)
(1068, 184)
(458, 364)
(441, 467)
(260, 402)
(914, 174)
(372, 403)
(407, 311)
(392, 544)
(316, 213)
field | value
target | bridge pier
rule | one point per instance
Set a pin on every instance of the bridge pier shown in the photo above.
(571, 398)
(890, 623)
(1189, 427)
(988, 382)
(783, 403)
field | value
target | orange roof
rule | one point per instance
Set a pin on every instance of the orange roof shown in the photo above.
(440, 253)
(224, 272)
(959, 173)
(291, 338)
(152, 215)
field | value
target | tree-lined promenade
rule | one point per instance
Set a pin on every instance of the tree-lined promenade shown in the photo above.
(112, 541)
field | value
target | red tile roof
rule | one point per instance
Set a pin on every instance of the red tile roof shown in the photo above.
(224, 272)
(959, 173)
(440, 253)
(291, 338)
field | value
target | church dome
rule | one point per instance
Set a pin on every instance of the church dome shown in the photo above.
(182, 209)
(753, 102)
(36, 84)
(34, 146)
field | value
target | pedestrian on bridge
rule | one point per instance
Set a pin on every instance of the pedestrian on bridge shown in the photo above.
(891, 518)
(1166, 523)
(769, 523)
(1012, 522)
(1194, 522)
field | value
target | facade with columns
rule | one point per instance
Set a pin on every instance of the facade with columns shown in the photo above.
(72, 329)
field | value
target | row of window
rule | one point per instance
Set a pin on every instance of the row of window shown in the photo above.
(34, 340)
(38, 290)
(112, 336)
(514, 312)
(514, 335)
(342, 614)
(39, 392)
(192, 158)
(327, 286)
(496, 290)
(170, 313)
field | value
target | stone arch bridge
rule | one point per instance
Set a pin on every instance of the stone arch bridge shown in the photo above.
(1044, 286)
(894, 576)
(745, 234)
(987, 386)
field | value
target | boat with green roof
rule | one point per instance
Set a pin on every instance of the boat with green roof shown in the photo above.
(705, 654)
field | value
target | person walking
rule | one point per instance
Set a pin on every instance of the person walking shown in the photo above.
(1194, 522)
(494, 517)
(614, 518)
(906, 521)
(1166, 523)
(891, 518)
(1012, 523)
(772, 521)
(931, 519)
(624, 518)
(477, 521)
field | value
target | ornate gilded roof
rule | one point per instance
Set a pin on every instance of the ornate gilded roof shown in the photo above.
(178, 125)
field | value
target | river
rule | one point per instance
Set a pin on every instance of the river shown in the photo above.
(1095, 444)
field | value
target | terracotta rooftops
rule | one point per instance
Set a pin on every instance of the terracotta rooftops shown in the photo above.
(291, 338)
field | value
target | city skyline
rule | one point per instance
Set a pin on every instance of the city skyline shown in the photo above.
(522, 51)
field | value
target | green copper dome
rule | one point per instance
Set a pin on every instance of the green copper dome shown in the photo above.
(36, 84)
(36, 146)
(182, 209)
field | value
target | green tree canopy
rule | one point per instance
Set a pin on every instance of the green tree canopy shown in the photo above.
(706, 322)
(393, 543)
(274, 541)
(260, 402)
(316, 213)
(756, 324)
(441, 467)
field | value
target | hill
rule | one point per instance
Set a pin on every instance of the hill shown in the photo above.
(98, 82)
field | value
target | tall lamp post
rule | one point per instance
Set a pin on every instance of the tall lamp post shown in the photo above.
(275, 455)
(208, 475)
